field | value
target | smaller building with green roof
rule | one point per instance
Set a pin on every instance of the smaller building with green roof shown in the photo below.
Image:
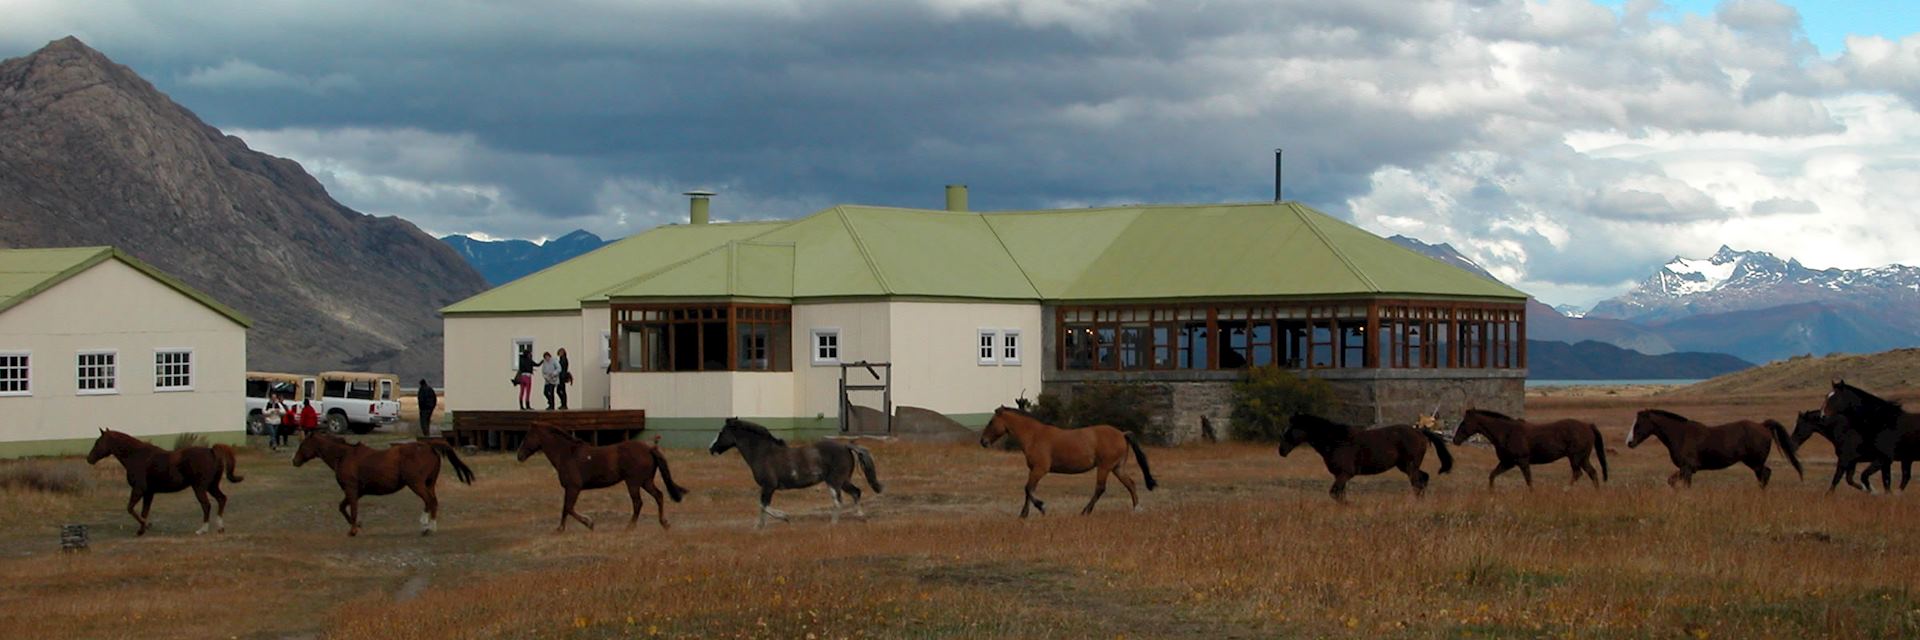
(967, 311)
(92, 338)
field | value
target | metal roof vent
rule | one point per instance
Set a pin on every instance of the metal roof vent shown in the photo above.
(697, 206)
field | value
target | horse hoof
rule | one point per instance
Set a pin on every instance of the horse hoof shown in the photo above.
(426, 532)
(353, 532)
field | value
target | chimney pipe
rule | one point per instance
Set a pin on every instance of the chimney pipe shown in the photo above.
(1276, 175)
(956, 197)
(697, 207)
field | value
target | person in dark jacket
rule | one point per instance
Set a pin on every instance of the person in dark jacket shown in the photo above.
(426, 400)
(566, 378)
(523, 374)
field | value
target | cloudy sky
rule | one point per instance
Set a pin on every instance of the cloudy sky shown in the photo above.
(1569, 145)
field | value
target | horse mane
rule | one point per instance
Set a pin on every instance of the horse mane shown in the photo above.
(1492, 414)
(755, 430)
(127, 439)
(1316, 424)
(564, 433)
(1667, 414)
(1020, 412)
(1871, 403)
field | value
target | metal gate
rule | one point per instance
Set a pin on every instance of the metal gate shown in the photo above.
(882, 382)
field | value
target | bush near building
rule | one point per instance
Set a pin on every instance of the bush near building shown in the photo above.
(1269, 397)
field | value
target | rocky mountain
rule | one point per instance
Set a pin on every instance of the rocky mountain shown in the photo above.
(1731, 280)
(1443, 252)
(1571, 310)
(1592, 360)
(92, 154)
(503, 261)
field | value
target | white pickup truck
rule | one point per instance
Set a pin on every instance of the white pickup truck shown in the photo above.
(358, 402)
(292, 388)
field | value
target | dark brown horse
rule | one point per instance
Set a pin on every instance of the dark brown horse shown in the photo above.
(1697, 447)
(1849, 447)
(1518, 443)
(1889, 431)
(364, 471)
(151, 470)
(581, 466)
(1351, 451)
(1050, 449)
(776, 466)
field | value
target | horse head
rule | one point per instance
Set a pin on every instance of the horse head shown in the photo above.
(1648, 423)
(1811, 422)
(535, 439)
(996, 427)
(1469, 426)
(1303, 428)
(103, 446)
(311, 447)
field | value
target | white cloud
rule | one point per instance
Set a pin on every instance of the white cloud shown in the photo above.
(240, 74)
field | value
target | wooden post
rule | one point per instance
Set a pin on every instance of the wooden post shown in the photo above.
(1371, 341)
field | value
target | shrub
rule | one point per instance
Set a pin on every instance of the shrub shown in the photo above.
(1269, 397)
(1127, 407)
(46, 476)
(185, 440)
(1124, 406)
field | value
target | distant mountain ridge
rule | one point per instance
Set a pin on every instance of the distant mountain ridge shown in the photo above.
(91, 154)
(1592, 360)
(503, 261)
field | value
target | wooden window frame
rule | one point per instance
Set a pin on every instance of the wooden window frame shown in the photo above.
(670, 318)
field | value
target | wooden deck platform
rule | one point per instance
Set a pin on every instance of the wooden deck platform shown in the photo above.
(503, 430)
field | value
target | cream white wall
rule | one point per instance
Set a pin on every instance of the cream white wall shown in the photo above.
(115, 307)
(865, 332)
(697, 394)
(936, 362)
(480, 360)
(589, 362)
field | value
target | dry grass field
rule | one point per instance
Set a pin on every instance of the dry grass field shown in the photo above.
(1237, 543)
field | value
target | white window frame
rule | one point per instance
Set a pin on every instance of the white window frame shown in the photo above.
(813, 345)
(157, 375)
(114, 390)
(606, 349)
(986, 347)
(28, 370)
(513, 358)
(1010, 347)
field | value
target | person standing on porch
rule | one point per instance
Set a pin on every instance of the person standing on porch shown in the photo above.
(550, 374)
(566, 378)
(426, 400)
(523, 376)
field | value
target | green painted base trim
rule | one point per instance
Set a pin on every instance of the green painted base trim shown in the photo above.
(687, 433)
(80, 446)
(971, 420)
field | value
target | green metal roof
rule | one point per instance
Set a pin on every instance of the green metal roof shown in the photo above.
(1266, 250)
(1220, 251)
(24, 273)
(564, 286)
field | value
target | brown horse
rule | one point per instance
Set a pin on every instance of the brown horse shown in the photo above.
(582, 466)
(1518, 443)
(151, 470)
(1100, 448)
(363, 471)
(1351, 451)
(1849, 446)
(1697, 447)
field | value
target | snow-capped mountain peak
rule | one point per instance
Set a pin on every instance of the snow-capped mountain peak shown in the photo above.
(1732, 280)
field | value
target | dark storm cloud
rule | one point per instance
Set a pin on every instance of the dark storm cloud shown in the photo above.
(529, 119)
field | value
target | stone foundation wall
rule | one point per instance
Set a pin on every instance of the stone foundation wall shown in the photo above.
(1363, 398)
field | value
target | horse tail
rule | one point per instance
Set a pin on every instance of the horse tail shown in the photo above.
(660, 460)
(1440, 449)
(1786, 445)
(460, 469)
(1141, 458)
(865, 458)
(224, 454)
(1600, 450)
